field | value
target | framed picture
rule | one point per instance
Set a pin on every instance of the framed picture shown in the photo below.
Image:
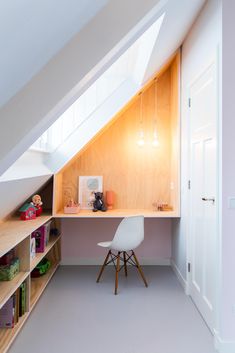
(88, 185)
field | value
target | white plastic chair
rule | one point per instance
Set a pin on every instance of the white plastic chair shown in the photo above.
(129, 235)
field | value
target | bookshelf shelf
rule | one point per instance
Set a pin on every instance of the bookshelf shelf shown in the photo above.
(7, 288)
(39, 284)
(8, 335)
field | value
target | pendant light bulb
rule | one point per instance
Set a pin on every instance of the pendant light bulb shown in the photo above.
(155, 139)
(140, 141)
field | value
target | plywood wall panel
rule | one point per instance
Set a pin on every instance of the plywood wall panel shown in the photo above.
(138, 176)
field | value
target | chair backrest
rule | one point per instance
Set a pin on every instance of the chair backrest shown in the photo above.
(129, 234)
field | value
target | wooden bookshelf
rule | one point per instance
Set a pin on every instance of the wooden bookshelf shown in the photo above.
(15, 234)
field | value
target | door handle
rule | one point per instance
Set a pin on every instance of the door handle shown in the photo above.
(212, 199)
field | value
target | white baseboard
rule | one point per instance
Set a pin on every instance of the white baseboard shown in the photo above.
(179, 275)
(223, 346)
(99, 261)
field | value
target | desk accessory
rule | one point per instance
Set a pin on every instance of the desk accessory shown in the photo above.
(72, 207)
(37, 202)
(27, 212)
(109, 199)
(99, 204)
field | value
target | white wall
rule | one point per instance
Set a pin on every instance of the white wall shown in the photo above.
(30, 164)
(227, 294)
(199, 48)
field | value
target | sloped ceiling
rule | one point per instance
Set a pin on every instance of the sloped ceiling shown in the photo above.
(50, 91)
(179, 18)
(32, 32)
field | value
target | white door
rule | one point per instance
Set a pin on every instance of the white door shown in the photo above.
(203, 200)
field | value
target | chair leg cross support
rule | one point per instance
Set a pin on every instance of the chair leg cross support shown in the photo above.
(126, 259)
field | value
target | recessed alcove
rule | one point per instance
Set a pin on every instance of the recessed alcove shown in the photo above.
(139, 176)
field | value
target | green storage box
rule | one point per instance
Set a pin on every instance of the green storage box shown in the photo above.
(8, 272)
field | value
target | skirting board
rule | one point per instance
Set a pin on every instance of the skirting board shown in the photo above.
(99, 261)
(179, 275)
(223, 346)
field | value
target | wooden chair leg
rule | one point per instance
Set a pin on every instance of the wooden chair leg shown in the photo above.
(140, 269)
(117, 271)
(125, 265)
(103, 266)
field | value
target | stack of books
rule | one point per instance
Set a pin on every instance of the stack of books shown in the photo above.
(42, 235)
(14, 308)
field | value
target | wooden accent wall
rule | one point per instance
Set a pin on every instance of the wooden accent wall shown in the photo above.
(139, 176)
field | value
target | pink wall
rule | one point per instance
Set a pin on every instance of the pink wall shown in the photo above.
(80, 238)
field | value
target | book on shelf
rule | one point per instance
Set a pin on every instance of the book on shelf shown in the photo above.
(42, 235)
(14, 308)
(7, 314)
(17, 306)
(22, 301)
(32, 248)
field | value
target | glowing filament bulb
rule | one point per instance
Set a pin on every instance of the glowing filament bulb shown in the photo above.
(155, 139)
(140, 141)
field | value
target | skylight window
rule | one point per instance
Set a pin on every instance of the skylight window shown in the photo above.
(129, 66)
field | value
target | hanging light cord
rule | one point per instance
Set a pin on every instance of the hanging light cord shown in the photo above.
(155, 134)
(140, 141)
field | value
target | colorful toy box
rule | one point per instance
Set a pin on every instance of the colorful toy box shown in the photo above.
(8, 272)
(27, 212)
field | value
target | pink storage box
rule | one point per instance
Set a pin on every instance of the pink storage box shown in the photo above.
(71, 209)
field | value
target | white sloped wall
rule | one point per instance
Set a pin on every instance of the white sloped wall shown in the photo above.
(32, 110)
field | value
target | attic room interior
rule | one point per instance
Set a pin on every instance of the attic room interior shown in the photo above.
(117, 176)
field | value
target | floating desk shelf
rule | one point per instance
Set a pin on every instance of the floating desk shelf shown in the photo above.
(119, 213)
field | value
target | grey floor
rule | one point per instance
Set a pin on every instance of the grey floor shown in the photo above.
(77, 315)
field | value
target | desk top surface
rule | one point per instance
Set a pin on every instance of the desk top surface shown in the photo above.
(119, 213)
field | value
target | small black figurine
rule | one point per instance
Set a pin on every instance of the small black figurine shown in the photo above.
(98, 204)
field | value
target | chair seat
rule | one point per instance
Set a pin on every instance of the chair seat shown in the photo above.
(105, 244)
